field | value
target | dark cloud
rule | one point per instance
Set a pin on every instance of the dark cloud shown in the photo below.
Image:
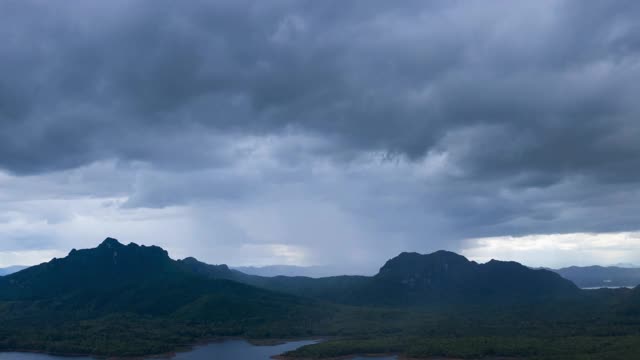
(531, 108)
(87, 81)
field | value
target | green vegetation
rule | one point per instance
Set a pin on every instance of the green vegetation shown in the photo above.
(415, 280)
(119, 300)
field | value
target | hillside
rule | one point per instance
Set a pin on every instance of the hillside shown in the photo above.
(333, 289)
(129, 278)
(447, 278)
(412, 279)
(121, 286)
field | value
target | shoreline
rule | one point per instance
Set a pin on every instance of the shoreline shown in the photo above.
(397, 355)
(170, 354)
(254, 342)
(348, 357)
(381, 355)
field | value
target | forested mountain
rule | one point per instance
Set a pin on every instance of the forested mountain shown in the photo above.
(122, 300)
(115, 287)
(334, 289)
(129, 278)
(411, 279)
(446, 277)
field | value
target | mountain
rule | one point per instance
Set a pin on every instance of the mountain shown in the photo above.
(120, 272)
(288, 270)
(336, 289)
(129, 278)
(114, 287)
(110, 266)
(448, 278)
(11, 269)
(599, 276)
(412, 279)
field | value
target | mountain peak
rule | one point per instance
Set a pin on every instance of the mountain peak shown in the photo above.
(110, 243)
(111, 247)
(191, 260)
(195, 265)
(440, 254)
(447, 254)
(411, 264)
(437, 256)
(108, 266)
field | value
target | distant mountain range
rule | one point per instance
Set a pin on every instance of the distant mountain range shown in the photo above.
(408, 279)
(412, 279)
(11, 269)
(600, 276)
(289, 270)
(620, 275)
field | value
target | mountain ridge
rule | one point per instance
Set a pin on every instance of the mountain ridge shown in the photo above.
(408, 279)
(413, 279)
(132, 300)
(601, 276)
(447, 277)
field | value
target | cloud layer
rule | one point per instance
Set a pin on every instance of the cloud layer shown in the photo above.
(281, 131)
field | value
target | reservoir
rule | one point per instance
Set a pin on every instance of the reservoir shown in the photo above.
(225, 350)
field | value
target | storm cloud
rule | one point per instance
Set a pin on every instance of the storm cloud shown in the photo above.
(379, 126)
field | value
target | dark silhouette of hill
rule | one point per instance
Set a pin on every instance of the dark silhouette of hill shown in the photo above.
(446, 277)
(335, 288)
(412, 279)
(115, 278)
(125, 275)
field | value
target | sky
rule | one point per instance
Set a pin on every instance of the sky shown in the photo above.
(331, 133)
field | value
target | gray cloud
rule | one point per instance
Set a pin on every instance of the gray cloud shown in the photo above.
(442, 120)
(373, 75)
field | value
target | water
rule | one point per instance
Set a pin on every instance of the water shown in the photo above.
(606, 287)
(30, 356)
(226, 350)
(238, 349)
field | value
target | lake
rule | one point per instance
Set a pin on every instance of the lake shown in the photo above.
(226, 350)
